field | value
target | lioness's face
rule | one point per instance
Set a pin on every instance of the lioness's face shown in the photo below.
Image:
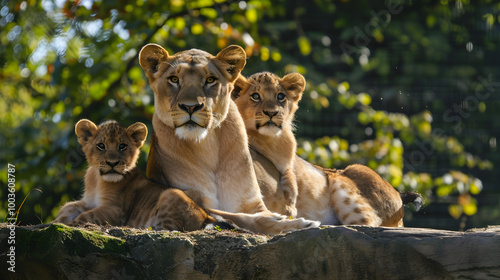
(111, 148)
(267, 102)
(192, 88)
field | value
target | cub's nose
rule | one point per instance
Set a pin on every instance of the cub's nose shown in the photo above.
(271, 114)
(190, 109)
(112, 163)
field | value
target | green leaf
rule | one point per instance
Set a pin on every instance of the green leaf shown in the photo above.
(304, 45)
(444, 190)
(180, 23)
(364, 98)
(197, 29)
(251, 15)
(455, 211)
(135, 73)
(209, 13)
(490, 19)
(470, 208)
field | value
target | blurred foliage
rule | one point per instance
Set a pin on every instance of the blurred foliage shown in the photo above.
(385, 153)
(402, 87)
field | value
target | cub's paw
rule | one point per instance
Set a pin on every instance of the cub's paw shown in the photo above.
(79, 221)
(291, 211)
(86, 218)
(62, 220)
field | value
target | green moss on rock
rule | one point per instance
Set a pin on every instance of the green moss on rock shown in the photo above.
(58, 239)
(93, 252)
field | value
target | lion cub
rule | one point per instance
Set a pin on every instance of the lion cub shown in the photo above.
(354, 196)
(268, 110)
(117, 193)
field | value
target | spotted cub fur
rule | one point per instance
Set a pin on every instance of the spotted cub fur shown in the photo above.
(354, 196)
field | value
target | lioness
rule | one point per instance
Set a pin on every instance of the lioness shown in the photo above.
(199, 143)
(117, 193)
(354, 196)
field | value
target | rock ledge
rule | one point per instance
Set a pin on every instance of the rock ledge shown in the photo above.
(60, 252)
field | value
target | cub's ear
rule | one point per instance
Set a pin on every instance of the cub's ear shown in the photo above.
(150, 57)
(138, 132)
(84, 130)
(241, 85)
(231, 61)
(294, 84)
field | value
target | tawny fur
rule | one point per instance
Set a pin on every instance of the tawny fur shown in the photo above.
(199, 142)
(116, 192)
(354, 196)
(270, 104)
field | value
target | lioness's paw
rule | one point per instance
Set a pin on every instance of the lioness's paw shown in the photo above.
(308, 223)
(277, 217)
(298, 224)
(274, 223)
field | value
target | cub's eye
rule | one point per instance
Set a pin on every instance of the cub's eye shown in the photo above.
(173, 79)
(122, 147)
(281, 96)
(210, 80)
(255, 97)
(101, 146)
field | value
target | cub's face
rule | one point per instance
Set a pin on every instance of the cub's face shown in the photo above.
(192, 88)
(267, 102)
(112, 148)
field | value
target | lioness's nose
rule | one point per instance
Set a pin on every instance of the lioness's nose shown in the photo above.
(190, 109)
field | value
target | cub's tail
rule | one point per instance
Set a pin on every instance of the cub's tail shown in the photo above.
(412, 197)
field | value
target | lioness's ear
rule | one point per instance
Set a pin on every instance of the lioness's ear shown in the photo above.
(294, 84)
(138, 132)
(231, 61)
(84, 130)
(150, 56)
(240, 85)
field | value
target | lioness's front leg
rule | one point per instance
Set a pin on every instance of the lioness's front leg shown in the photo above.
(176, 211)
(265, 222)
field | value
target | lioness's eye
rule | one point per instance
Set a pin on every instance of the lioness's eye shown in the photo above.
(281, 96)
(255, 97)
(210, 80)
(173, 79)
(101, 146)
(122, 147)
